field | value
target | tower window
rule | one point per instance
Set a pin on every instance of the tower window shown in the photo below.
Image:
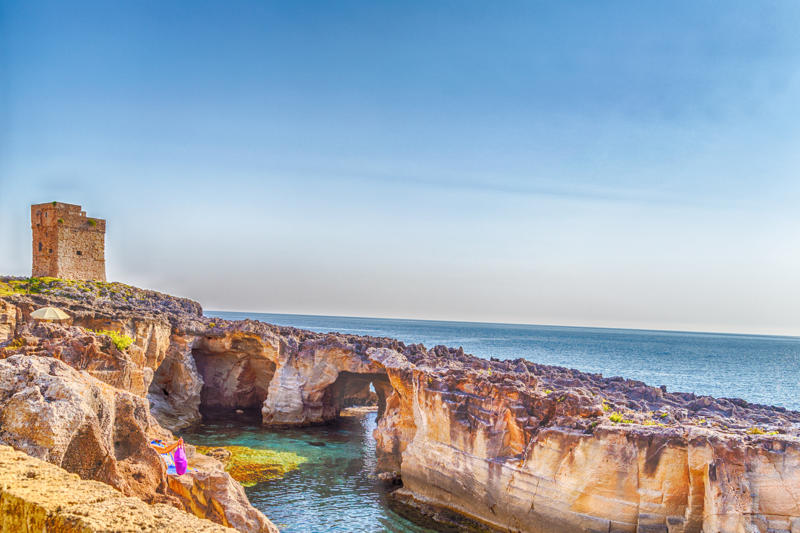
(49, 250)
(40, 247)
(78, 252)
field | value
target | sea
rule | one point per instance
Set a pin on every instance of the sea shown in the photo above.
(335, 490)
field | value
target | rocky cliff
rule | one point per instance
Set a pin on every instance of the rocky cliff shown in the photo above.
(509, 445)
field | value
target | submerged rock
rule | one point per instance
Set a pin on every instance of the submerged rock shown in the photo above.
(250, 466)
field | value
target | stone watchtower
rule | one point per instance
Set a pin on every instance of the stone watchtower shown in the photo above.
(66, 243)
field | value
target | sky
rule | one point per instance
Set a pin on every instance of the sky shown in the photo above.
(623, 164)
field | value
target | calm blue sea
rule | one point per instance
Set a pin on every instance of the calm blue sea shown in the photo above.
(758, 368)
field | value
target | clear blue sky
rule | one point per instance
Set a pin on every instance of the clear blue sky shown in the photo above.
(589, 163)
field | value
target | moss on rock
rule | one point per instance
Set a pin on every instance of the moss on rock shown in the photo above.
(250, 466)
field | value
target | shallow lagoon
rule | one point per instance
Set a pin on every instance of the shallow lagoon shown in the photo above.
(335, 490)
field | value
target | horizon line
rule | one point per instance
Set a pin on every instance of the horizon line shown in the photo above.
(569, 326)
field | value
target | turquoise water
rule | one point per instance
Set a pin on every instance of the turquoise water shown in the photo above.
(334, 491)
(757, 368)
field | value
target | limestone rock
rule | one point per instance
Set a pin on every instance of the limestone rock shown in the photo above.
(8, 321)
(174, 393)
(66, 417)
(55, 413)
(37, 496)
(228, 506)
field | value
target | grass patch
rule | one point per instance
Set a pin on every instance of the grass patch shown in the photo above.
(27, 286)
(120, 340)
(759, 431)
(16, 344)
(617, 418)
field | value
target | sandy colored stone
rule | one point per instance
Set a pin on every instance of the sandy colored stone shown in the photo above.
(37, 496)
(8, 321)
(207, 490)
(66, 417)
(174, 393)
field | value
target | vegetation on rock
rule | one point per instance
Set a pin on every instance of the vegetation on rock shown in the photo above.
(250, 466)
(120, 340)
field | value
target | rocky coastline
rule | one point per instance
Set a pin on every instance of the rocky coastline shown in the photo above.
(477, 444)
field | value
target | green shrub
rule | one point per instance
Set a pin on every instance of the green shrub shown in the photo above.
(759, 431)
(120, 340)
(16, 344)
(60, 220)
(618, 419)
(92, 222)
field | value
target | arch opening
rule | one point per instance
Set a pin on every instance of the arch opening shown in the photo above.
(353, 390)
(232, 379)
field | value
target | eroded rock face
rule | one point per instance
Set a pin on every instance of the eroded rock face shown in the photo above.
(237, 369)
(37, 496)
(85, 350)
(8, 321)
(174, 393)
(55, 413)
(532, 448)
(229, 505)
(66, 417)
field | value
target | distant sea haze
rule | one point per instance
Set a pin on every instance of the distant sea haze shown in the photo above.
(757, 368)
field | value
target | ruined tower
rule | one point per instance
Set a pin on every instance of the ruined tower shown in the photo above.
(67, 243)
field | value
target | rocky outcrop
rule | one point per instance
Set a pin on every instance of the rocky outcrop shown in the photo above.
(8, 321)
(509, 445)
(228, 505)
(86, 350)
(66, 417)
(526, 447)
(55, 413)
(37, 496)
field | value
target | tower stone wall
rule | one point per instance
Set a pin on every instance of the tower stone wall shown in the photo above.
(66, 243)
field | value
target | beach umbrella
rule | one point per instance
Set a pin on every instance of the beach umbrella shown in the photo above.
(49, 313)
